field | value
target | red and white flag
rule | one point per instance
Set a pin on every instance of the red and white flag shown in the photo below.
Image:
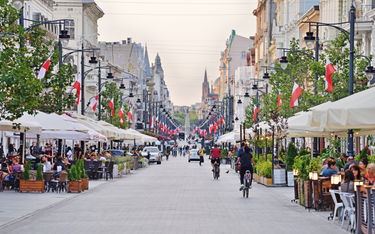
(256, 111)
(297, 91)
(152, 122)
(121, 113)
(130, 115)
(112, 106)
(94, 102)
(329, 70)
(43, 70)
(77, 86)
(222, 120)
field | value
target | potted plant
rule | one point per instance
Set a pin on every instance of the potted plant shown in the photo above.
(267, 170)
(28, 185)
(84, 176)
(74, 183)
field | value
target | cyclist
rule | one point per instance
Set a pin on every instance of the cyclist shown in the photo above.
(247, 162)
(215, 155)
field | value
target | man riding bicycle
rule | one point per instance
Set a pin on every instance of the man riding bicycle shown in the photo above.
(247, 162)
(215, 156)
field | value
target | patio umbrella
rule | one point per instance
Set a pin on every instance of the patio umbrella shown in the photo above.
(353, 112)
(27, 127)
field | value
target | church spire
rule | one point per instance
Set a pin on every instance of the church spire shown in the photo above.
(205, 76)
(147, 65)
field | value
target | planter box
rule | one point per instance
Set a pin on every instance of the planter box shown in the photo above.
(267, 181)
(115, 171)
(255, 176)
(308, 193)
(75, 186)
(301, 192)
(279, 176)
(258, 179)
(290, 178)
(85, 184)
(31, 186)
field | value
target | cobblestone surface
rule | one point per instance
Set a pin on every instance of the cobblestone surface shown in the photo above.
(174, 197)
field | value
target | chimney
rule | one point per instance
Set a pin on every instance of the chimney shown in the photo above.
(129, 40)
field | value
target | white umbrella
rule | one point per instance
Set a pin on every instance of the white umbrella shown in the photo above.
(353, 112)
(50, 122)
(27, 127)
(231, 137)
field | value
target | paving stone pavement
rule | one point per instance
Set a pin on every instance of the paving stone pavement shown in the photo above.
(174, 197)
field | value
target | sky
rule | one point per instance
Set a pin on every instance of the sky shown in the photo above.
(188, 35)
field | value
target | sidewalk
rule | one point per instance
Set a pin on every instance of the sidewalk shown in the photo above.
(16, 206)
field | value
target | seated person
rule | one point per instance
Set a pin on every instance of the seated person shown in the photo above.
(92, 157)
(46, 164)
(350, 162)
(370, 176)
(67, 164)
(102, 157)
(325, 165)
(347, 186)
(330, 170)
(356, 171)
(59, 162)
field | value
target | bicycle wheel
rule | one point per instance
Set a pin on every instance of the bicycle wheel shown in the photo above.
(243, 192)
(247, 192)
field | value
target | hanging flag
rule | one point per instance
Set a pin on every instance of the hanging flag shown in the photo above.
(44, 68)
(111, 105)
(256, 111)
(297, 91)
(152, 122)
(130, 115)
(94, 102)
(329, 70)
(77, 86)
(121, 113)
(222, 120)
(218, 121)
(210, 129)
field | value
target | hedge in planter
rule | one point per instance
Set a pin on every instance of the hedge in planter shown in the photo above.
(28, 185)
(84, 176)
(74, 184)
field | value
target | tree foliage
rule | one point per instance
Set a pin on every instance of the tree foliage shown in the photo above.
(111, 91)
(19, 67)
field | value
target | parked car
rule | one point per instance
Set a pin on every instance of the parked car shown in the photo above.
(116, 153)
(155, 154)
(193, 155)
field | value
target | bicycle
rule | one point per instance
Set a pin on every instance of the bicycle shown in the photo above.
(216, 171)
(246, 183)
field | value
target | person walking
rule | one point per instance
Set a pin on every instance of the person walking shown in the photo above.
(200, 153)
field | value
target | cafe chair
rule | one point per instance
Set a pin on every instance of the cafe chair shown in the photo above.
(61, 183)
(348, 209)
(48, 184)
(338, 205)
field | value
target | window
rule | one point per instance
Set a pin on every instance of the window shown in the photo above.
(69, 26)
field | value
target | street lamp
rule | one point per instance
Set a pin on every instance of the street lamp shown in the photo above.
(283, 62)
(64, 37)
(110, 76)
(93, 62)
(122, 86)
(239, 102)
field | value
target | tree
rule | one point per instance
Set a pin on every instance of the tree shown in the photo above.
(291, 153)
(19, 66)
(111, 91)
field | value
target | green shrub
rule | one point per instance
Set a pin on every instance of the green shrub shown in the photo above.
(290, 156)
(72, 174)
(224, 153)
(207, 149)
(78, 169)
(323, 151)
(267, 169)
(303, 152)
(39, 174)
(301, 163)
(26, 171)
(363, 154)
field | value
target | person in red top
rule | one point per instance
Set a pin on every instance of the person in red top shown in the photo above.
(215, 156)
